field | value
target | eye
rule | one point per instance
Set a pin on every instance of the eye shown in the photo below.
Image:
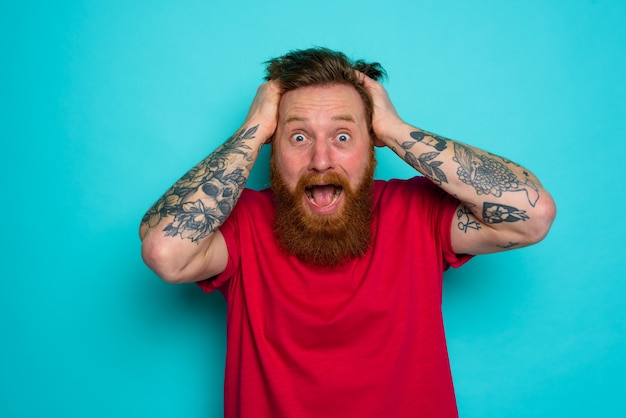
(298, 138)
(343, 137)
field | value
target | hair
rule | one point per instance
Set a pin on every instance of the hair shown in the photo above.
(321, 66)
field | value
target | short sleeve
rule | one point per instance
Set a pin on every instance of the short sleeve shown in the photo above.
(445, 233)
(442, 208)
(230, 232)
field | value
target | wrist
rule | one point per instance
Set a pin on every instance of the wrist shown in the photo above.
(263, 130)
(394, 133)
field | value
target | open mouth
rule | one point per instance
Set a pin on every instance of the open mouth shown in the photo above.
(323, 195)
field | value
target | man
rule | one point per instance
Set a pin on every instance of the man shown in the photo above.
(334, 280)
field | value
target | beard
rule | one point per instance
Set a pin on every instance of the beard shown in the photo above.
(324, 240)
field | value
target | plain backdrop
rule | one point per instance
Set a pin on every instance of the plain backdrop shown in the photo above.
(105, 104)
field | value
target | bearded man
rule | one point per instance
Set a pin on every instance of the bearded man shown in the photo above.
(333, 279)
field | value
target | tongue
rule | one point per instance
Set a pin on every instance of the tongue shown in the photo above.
(323, 195)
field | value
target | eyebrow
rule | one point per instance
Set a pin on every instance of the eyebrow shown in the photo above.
(346, 118)
(294, 119)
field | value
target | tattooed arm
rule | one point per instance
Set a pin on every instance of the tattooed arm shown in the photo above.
(180, 234)
(503, 205)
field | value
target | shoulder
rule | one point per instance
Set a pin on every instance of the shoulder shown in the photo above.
(255, 201)
(257, 196)
(417, 188)
(254, 209)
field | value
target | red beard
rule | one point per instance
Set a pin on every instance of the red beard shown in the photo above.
(324, 240)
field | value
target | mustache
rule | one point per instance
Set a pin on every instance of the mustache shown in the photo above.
(319, 179)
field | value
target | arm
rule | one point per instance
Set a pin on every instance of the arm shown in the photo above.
(503, 205)
(180, 234)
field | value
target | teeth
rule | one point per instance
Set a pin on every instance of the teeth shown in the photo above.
(335, 196)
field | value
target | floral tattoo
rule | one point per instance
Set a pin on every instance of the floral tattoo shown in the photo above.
(495, 213)
(219, 182)
(425, 162)
(489, 176)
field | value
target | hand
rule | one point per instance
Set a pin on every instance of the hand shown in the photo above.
(264, 109)
(385, 119)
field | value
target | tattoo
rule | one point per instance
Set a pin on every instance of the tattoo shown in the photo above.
(509, 245)
(489, 176)
(435, 141)
(424, 163)
(219, 182)
(495, 213)
(505, 160)
(466, 220)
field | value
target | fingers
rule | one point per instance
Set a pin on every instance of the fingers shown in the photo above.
(375, 89)
(268, 94)
(368, 82)
(272, 88)
(385, 117)
(264, 109)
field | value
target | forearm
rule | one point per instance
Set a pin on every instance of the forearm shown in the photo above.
(495, 191)
(177, 232)
(502, 202)
(180, 239)
(197, 204)
(462, 170)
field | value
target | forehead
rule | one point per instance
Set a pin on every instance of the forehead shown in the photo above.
(336, 100)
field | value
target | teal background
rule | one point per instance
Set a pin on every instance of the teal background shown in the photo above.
(105, 104)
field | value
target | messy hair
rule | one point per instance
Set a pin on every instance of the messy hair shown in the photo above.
(322, 66)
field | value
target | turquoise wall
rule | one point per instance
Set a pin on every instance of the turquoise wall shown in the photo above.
(104, 104)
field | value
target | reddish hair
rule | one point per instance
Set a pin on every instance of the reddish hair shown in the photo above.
(322, 66)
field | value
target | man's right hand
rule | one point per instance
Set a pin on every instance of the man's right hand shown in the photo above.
(264, 110)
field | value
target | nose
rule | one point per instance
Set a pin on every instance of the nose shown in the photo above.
(321, 156)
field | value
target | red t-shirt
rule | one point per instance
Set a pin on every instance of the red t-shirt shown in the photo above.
(365, 339)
